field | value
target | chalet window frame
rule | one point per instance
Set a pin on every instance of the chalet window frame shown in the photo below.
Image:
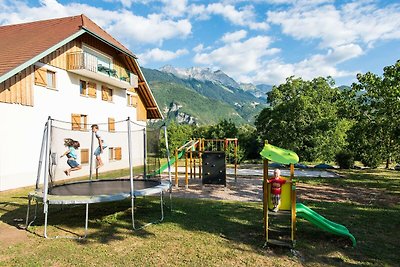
(114, 153)
(79, 122)
(90, 88)
(131, 99)
(42, 75)
(105, 93)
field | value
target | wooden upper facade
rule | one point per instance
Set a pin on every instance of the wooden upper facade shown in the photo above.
(82, 48)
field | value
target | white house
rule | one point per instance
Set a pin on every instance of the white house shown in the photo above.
(72, 70)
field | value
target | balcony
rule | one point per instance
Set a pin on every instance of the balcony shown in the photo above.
(88, 65)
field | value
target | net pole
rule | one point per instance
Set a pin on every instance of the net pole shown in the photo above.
(46, 167)
(41, 156)
(131, 172)
(144, 154)
(91, 156)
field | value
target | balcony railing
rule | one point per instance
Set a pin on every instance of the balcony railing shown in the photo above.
(88, 64)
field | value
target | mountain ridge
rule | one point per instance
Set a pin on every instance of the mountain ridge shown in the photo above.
(202, 96)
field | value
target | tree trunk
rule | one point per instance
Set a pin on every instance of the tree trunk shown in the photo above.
(387, 163)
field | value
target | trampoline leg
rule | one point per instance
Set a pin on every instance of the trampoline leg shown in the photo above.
(27, 212)
(133, 212)
(86, 220)
(170, 199)
(46, 211)
(162, 206)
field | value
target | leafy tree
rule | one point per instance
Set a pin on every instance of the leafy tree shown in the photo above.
(376, 136)
(304, 116)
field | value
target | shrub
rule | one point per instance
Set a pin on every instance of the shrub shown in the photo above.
(345, 159)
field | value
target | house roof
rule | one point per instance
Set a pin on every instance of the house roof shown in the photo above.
(24, 44)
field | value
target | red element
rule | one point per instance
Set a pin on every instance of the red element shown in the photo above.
(276, 185)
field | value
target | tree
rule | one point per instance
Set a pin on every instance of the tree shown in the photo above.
(304, 116)
(376, 136)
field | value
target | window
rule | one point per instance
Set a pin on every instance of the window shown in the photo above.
(51, 79)
(79, 122)
(131, 99)
(45, 78)
(84, 155)
(114, 153)
(111, 124)
(106, 93)
(88, 88)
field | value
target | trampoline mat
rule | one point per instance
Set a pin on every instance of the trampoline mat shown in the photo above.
(101, 187)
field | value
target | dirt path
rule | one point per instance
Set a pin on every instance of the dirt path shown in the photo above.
(249, 188)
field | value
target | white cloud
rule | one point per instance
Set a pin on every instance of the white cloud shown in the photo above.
(356, 22)
(158, 55)
(175, 8)
(275, 71)
(198, 48)
(244, 16)
(234, 36)
(151, 29)
(238, 57)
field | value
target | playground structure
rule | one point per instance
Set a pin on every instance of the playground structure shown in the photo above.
(145, 181)
(288, 201)
(193, 151)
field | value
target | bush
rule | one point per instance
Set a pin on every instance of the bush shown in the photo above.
(345, 159)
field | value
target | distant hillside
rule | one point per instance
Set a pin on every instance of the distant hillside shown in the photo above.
(202, 96)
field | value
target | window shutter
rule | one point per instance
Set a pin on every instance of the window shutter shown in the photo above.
(111, 124)
(84, 156)
(41, 76)
(76, 121)
(92, 89)
(118, 154)
(104, 93)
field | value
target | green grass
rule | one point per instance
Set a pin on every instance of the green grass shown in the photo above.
(208, 233)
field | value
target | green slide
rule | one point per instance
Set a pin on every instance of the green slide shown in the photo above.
(305, 212)
(165, 165)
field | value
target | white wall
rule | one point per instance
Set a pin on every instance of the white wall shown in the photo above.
(22, 128)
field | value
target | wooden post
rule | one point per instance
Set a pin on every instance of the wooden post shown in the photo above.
(265, 198)
(235, 152)
(200, 162)
(186, 171)
(176, 168)
(191, 163)
(293, 203)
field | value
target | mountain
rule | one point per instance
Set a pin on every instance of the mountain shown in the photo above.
(202, 96)
(259, 91)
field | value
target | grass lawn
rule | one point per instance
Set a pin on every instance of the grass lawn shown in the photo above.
(207, 232)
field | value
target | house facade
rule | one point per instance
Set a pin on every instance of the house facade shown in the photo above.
(73, 71)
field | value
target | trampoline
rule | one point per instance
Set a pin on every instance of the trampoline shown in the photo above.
(97, 191)
(90, 191)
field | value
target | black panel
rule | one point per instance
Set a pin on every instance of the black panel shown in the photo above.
(214, 167)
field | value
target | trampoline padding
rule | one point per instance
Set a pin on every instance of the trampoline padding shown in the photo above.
(102, 191)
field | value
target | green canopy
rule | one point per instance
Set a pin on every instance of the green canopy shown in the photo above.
(279, 155)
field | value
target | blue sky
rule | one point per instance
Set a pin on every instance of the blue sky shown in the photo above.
(260, 41)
